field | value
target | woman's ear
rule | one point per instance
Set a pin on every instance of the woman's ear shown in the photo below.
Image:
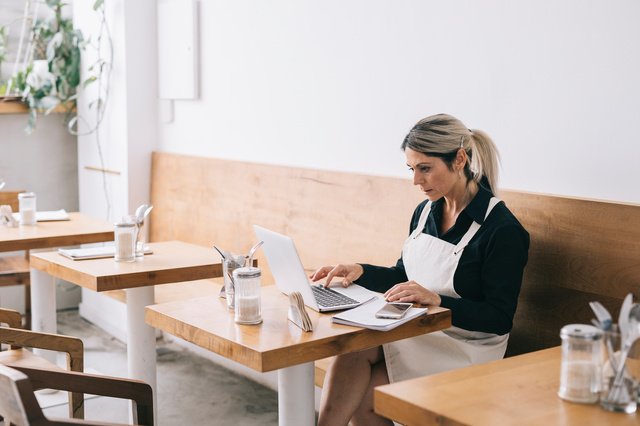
(461, 159)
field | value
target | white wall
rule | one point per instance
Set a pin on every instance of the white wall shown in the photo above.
(336, 85)
(44, 162)
(128, 134)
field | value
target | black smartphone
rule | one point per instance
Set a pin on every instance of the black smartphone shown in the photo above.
(393, 310)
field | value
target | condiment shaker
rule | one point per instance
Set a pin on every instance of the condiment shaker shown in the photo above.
(27, 206)
(582, 359)
(248, 308)
(125, 241)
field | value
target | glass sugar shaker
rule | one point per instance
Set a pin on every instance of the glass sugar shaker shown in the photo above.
(582, 360)
(27, 207)
(248, 308)
(125, 241)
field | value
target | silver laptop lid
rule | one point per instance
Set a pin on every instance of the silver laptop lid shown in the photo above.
(285, 265)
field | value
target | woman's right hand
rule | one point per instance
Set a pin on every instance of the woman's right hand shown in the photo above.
(349, 273)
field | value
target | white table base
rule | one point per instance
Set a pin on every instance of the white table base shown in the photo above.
(43, 308)
(141, 339)
(296, 395)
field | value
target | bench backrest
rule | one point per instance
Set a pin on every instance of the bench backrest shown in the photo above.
(581, 250)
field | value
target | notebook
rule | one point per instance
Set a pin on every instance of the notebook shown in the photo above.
(290, 276)
(98, 252)
(365, 316)
(48, 216)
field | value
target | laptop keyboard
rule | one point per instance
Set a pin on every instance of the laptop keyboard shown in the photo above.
(327, 297)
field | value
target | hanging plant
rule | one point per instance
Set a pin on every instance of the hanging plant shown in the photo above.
(47, 73)
(52, 77)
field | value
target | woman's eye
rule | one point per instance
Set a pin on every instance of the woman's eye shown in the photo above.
(421, 169)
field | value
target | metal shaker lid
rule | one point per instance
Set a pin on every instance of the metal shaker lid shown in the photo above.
(581, 331)
(124, 224)
(247, 272)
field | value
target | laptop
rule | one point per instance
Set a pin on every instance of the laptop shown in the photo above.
(290, 276)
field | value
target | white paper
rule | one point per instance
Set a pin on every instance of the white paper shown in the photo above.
(94, 252)
(365, 316)
(48, 216)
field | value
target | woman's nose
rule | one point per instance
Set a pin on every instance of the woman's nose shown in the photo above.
(417, 178)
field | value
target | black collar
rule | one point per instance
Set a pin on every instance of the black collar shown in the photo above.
(477, 208)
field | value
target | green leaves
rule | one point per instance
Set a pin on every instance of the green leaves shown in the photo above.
(88, 81)
(56, 41)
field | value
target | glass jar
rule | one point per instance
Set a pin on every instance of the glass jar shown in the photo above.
(125, 241)
(623, 397)
(229, 265)
(582, 359)
(27, 207)
(248, 308)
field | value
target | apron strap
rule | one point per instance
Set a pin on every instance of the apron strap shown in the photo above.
(475, 226)
(422, 221)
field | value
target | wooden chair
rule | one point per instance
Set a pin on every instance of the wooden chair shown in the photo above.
(17, 356)
(14, 270)
(19, 406)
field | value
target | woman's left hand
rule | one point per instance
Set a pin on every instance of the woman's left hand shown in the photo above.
(413, 292)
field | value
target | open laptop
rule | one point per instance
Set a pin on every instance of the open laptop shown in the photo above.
(290, 276)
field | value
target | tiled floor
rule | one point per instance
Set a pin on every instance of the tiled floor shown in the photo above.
(191, 390)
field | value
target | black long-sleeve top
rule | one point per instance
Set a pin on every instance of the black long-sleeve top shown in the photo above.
(489, 273)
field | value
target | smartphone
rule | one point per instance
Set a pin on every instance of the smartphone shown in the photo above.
(393, 310)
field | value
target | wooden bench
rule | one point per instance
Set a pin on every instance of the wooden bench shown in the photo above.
(581, 250)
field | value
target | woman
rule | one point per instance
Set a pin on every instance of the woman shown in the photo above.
(466, 252)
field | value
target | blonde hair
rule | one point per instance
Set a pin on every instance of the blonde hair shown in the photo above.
(442, 135)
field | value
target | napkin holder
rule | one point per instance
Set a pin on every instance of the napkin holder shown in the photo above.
(6, 217)
(297, 313)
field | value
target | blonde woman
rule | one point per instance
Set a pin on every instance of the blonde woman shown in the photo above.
(465, 251)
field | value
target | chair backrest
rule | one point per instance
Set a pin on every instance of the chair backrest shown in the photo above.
(10, 198)
(11, 318)
(18, 404)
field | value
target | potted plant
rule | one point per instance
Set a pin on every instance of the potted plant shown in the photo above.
(50, 74)
(54, 73)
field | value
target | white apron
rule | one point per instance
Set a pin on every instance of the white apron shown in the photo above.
(432, 262)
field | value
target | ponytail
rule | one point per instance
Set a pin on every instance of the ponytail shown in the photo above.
(485, 159)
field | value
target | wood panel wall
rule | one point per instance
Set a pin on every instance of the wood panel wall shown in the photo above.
(581, 250)
(332, 217)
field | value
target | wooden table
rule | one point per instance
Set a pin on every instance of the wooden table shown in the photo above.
(513, 391)
(80, 229)
(277, 344)
(170, 262)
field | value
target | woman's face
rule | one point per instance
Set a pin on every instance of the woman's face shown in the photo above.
(432, 175)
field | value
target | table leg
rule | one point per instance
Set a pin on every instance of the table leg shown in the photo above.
(141, 339)
(296, 395)
(43, 307)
